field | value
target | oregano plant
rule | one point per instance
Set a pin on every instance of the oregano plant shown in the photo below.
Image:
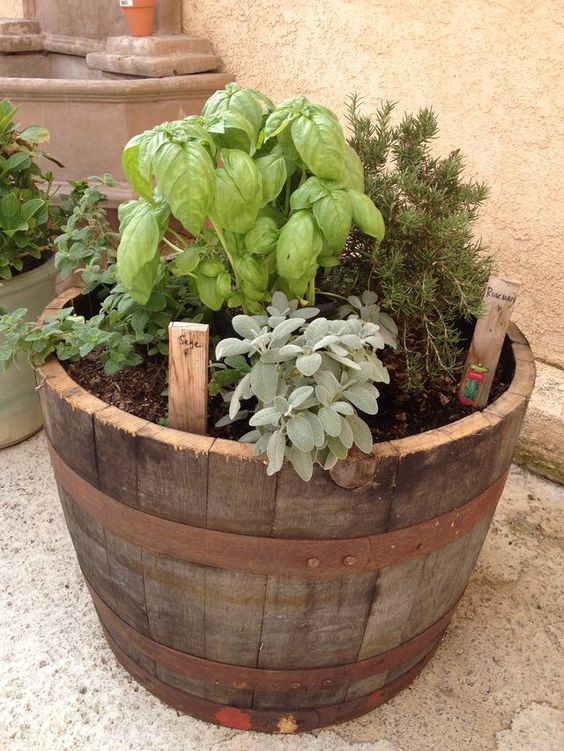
(265, 196)
(302, 381)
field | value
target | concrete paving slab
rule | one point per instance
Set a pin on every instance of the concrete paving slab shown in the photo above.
(494, 685)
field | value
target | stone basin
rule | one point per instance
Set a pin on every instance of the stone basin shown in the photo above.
(91, 114)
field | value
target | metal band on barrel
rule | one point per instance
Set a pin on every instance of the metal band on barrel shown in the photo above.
(241, 677)
(269, 555)
(266, 720)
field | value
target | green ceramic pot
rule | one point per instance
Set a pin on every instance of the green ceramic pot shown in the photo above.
(20, 414)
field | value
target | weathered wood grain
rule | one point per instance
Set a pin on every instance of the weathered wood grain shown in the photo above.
(302, 618)
(238, 600)
(172, 473)
(444, 468)
(241, 495)
(322, 509)
(506, 414)
(89, 542)
(380, 680)
(180, 680)
(188, 355)
(116, 453)
(395, 591)
(125, 566)
(175, 597)
(175, 600)
(68, 412)
(145, 662)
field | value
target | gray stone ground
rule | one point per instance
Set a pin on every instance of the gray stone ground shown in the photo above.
(495, 683)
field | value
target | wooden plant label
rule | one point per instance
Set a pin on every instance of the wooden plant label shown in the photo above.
(485, 349)
(188, 355)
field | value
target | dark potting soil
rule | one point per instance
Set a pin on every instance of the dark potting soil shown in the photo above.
(30, 263)
(142, 392)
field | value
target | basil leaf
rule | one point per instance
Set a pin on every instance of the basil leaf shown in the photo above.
(320, 142)
(272, 168)
(262, 238)
(298, 246)
(353, 174)
(238, 192)
(307, 194)
(366, 216)
(184, 263)
(151, 141)
(208, 292)
(333, 214)
(185, 176)
(138, 254)
(131, 168)
(278, 120)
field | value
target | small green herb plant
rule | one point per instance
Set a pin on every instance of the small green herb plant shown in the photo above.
(28, 223)
(307, 380)
(124, 331)
(429, 272)
(86, 241)
(268, 194)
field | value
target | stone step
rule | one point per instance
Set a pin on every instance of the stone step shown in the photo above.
(18, 27)
(153, 66)
(20, 43)
(158, 45)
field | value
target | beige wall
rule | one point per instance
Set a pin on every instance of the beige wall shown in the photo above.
(490, 68)
(11, 9)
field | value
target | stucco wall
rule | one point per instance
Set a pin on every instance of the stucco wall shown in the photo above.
(11, 9)
(490, 68)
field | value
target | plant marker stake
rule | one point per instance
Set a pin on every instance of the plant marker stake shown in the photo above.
(485, 349)
(188, 355)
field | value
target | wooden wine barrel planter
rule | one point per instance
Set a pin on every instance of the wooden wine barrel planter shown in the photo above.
(267, 603)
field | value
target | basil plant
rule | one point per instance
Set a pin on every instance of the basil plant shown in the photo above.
(248, 198)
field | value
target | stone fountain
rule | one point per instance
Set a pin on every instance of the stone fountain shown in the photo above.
(72, 68)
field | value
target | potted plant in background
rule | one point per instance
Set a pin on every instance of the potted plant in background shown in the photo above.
(306, 579)
(28, 225)
(139, 16)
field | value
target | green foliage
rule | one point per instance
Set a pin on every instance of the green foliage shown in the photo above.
(124, 331)
(268, 192)
(69, 336)
(429, 272)
(27, 222)
(86, 241)
(308, 379)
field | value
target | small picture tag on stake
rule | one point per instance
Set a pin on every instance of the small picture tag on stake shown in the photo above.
(472, 385)
(126, 3)
(485, 349)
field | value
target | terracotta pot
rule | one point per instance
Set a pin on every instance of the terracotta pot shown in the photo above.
(20, 413)
(139, 16)
(268, 603)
